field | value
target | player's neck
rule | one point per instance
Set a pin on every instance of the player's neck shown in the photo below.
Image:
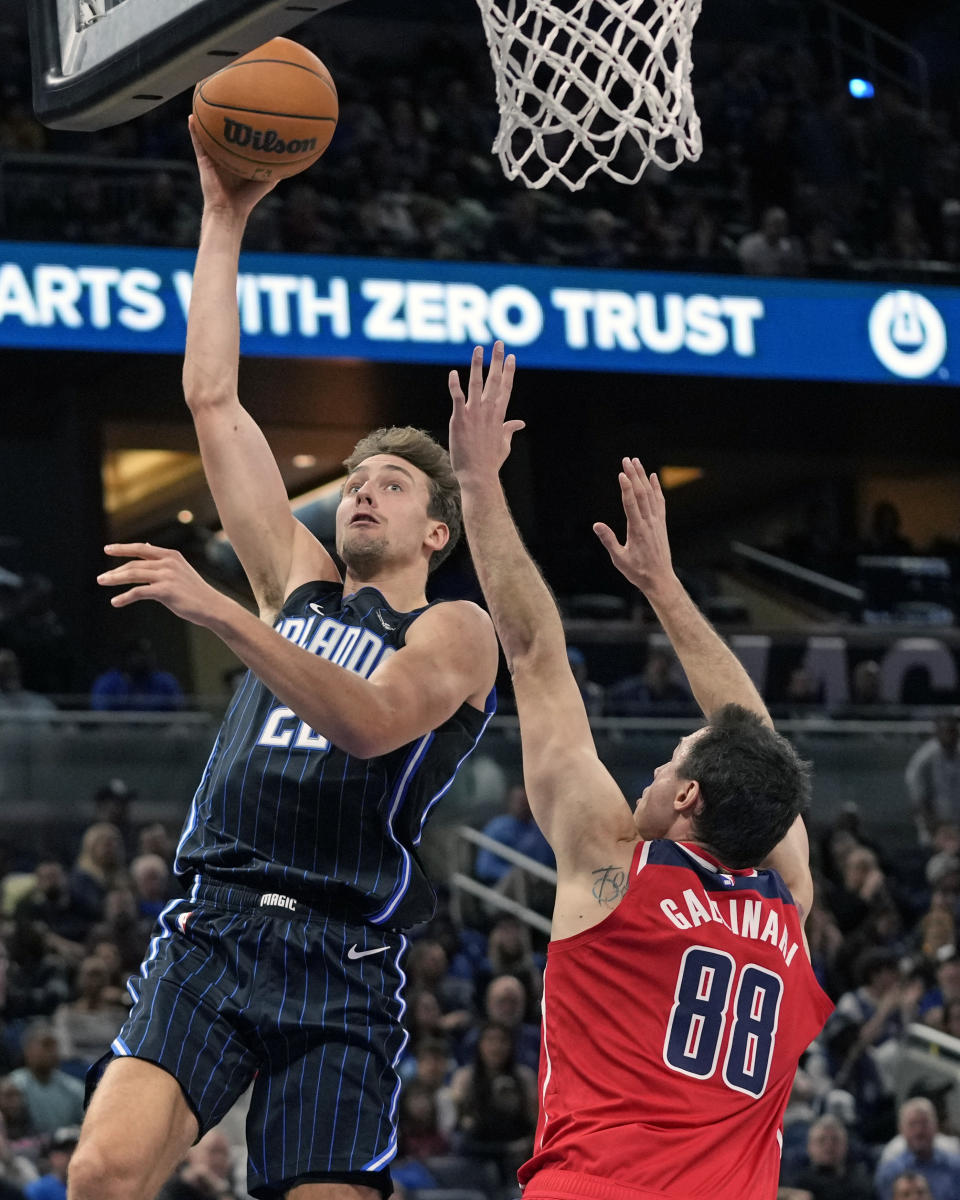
(403, 588)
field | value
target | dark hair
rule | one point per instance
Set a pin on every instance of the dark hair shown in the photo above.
(870, 962)
(419, 448)
(753, 785)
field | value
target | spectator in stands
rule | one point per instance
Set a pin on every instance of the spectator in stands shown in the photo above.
(111, 803)
(496, 1103)
(37, 977)
(863, 887)
(951, 1018)
(933, 777)
(99, 866)
(155, 839)
(107, 950)
(652, 691)
(430, 1059)
(52, 1185)
(17, 1122)
(862, 1037)
(426, 966)
(940, 1168)
(517, 829)
(151, 883)
(936, 930)
(884, 536)
(419, 1133)
(53, 1097)
(770, 250)
(136, 684)
(16, 1170)
(933, 1003)
(465, 948)
(880, 1008)
(825, 941)
(865, 684)
(829, 1173)
(943, 872)
(882, 930)
(14, 697)
(123, 927)
(425, 1022)
(505, 1004)
(86, 1026)
(48, 904)
(803, 693)
(510, 952)
(207, 1172)
(591, 692)
(911, 1185)
(827, 254)
(941, 1141)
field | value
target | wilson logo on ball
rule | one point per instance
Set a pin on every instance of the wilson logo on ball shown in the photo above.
(239, 134)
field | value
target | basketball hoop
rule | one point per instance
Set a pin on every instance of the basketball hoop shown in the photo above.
(592, 85)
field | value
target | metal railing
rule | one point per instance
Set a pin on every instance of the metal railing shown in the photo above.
(791, 571)
(856, 45)
(462, 883)
(37, 180)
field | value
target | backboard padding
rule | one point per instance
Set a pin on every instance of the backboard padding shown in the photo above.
(113, 71)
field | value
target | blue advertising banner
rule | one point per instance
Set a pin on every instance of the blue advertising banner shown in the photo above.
(125, 299)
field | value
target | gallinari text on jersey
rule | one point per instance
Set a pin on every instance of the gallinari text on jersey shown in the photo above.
(743, 918)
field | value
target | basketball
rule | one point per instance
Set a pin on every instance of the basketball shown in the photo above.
(269, 114)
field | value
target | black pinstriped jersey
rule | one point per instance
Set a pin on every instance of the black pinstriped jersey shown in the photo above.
(282, 810)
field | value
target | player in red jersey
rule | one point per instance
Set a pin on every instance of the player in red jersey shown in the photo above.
(678, 993)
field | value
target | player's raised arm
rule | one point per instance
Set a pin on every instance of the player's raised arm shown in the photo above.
(713, 671)
(573, 797)
(276, 551)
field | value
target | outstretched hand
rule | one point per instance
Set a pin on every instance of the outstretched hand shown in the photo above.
(221, 188)
(480, 435)
(156, 573)
(644, 557)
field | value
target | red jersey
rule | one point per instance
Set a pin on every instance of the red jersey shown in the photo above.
(671, 1035)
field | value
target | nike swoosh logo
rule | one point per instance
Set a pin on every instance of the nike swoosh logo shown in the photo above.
(354, 953)
(317, 609)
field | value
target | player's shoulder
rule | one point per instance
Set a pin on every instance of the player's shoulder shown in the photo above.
(455, 618)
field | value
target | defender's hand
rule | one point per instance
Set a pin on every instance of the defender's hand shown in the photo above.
(222, 190)
(480, 435)
(644, 558)
(154, 573)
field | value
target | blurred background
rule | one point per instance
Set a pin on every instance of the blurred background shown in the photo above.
(814, 506)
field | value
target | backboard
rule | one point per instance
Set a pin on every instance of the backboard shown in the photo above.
(100, 62)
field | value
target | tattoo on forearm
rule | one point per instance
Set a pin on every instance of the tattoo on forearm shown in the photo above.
(609, 885)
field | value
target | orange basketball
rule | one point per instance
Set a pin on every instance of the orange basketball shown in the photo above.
(269, 114)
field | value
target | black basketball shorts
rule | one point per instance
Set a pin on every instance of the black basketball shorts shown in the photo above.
(238, 986)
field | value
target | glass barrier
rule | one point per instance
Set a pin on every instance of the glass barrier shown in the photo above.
(52, 766)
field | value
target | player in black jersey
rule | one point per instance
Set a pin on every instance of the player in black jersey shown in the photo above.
(283, 965)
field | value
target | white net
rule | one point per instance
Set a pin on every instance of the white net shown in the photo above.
(589, 85)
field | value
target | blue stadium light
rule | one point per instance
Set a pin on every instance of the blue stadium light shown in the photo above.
(860, 89)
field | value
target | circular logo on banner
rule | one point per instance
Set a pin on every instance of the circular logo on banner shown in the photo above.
(907, 334)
